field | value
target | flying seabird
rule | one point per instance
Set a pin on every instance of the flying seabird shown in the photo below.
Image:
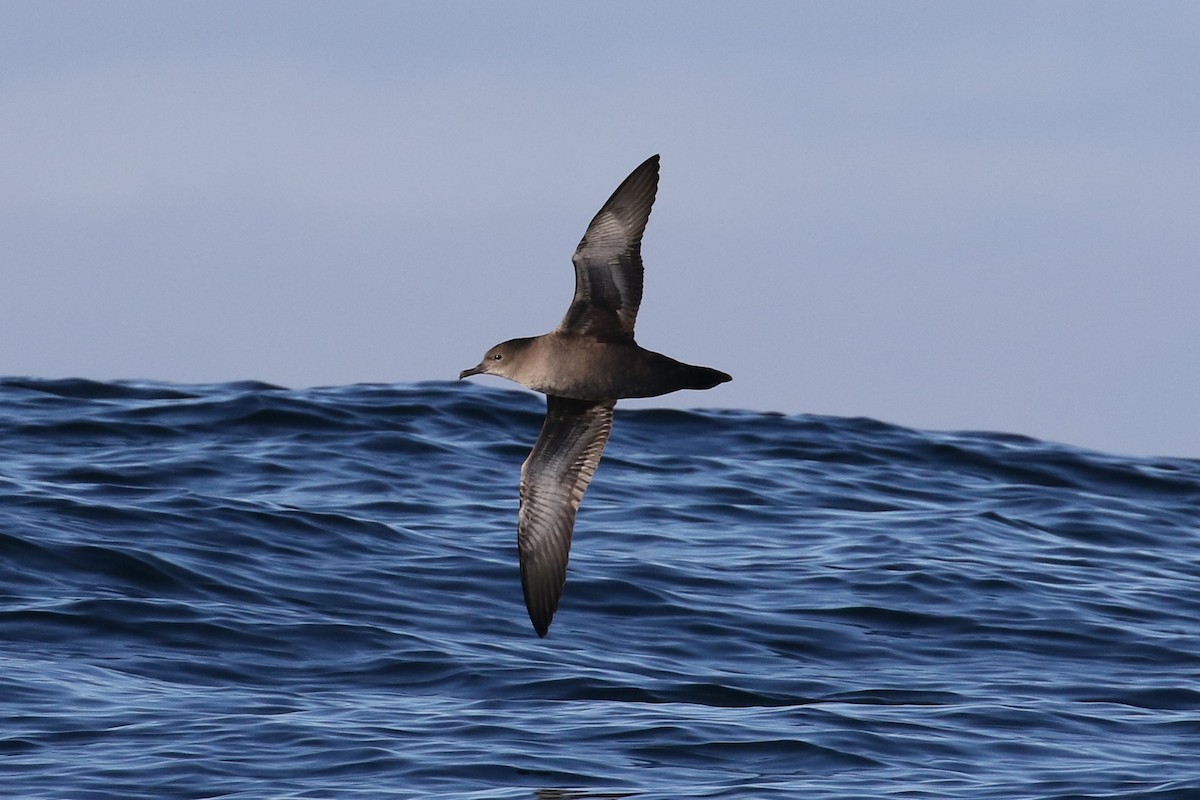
(583, 367)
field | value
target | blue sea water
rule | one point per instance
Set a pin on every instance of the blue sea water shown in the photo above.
(241, 591)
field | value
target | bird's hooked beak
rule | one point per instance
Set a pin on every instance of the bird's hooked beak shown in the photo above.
(476, 370)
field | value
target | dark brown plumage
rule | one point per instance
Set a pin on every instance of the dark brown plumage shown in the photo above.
(584, 366)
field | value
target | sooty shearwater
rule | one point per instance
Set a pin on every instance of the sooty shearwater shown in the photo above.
(583, 367)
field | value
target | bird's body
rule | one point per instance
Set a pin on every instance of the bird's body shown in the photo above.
(583, 367)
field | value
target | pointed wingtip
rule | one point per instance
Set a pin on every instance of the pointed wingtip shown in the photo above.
(632, 200)
(541, 623)
(648, 169)
(541, 608)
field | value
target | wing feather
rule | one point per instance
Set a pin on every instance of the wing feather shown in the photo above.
(553, 480)
(608, 261)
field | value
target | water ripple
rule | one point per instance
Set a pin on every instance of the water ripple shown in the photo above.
(241, 591)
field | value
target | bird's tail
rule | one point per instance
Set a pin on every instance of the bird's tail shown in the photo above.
(693, 377)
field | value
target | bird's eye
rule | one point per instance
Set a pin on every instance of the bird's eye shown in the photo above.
(496, 357)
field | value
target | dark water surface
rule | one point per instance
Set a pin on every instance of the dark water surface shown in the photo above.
(238, 591)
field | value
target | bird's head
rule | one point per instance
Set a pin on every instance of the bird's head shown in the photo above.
(500, 360)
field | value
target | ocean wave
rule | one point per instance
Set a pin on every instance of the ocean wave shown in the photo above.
(239, 590)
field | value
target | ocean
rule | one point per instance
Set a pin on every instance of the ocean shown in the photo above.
(243, 591)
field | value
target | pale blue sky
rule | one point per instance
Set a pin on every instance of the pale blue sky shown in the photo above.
(945, 215)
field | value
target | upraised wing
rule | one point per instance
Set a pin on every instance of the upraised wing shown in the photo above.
(553, 480)
(608, 261)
